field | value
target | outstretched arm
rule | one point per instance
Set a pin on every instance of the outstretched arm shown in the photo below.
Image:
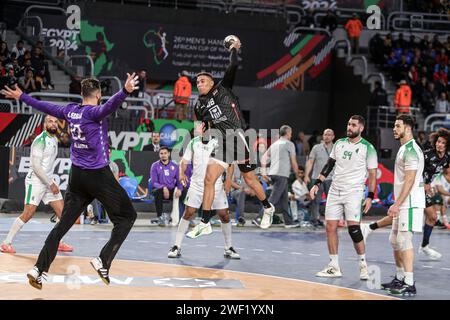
(230, 73)
(46, 107)
(116, 100)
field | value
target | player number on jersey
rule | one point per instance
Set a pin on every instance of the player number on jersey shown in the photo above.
(347, 155)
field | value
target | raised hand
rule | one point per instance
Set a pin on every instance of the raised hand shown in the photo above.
(132, 82)
(12, 94)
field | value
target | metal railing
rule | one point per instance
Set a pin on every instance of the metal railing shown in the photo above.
(25, 26)
(428, 124)
(82, 56)
(384, 117)
(163, 101)
(344, 14)
(419, 21)
(47, 3)
(44, 7)
(142, 108)
(312, 29)
(9, 106)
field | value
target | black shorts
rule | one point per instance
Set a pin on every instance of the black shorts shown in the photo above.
(235, 148)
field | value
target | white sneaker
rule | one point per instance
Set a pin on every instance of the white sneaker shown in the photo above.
(363, 272)
(267, 218)
(430, 253)
(330, 272)
(202, 229)
(35, 278)
(174, 252)
(102, 272)
(231, 254)
(365, 229)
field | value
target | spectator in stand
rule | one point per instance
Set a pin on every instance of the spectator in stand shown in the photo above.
(166, 183)
(3, 71)
(376, 49)
(19, 49)
(442, 56)
(16, 67)
(308, 20)
(442, 85)
(29, 84)
(154, 146)
(388, 45)
(64, 140)
(422, 139)
(301, 145)
(4, 49)
(10, 78)
(401, 42)
(412, 44)
(391, 63)
(437, 45)
(424, 43)
(440, 71)
(447, 44)
(401, 69)
(379, 96)
(413, 76)
(41, 66)
(354, 28)
(329, 22)
(419, 89)
(442, 105)
(24, 57)
(181, 94)
(139, 93)
(428, 99)
(75, 85)
(403, 97)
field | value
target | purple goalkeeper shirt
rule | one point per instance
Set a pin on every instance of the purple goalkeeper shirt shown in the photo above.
(88, 127)
(165, 175)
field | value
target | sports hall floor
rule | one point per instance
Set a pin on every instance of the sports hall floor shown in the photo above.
(275, 264)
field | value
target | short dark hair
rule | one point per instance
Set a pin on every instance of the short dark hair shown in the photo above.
(360, 119)
(407, 119)
(300, 167)
(204, 73)
(89, 86)
(164, 148)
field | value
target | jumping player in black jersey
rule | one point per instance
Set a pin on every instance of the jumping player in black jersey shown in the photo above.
(218, 108)
(436, 159)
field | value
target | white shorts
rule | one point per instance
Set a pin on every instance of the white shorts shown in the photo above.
(344, 204)
(409, 220)
(194, 199)
(37, 192)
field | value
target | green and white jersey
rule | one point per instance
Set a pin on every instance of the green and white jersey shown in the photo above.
(352, 162)
(440, 180)
(45, 148)
(410, 157)
(198, 154)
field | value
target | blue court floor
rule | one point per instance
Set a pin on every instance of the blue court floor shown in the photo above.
(296, 254)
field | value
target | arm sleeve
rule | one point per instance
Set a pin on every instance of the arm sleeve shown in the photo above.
(291, 149)
(155, 179)
(36, 159)
(45, 107)
(113, 103)
(372, 159)
(230, 73)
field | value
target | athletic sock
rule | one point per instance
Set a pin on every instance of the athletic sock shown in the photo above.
(183, 226)
(206, 215)
(17, 225)
(409, 278)
(373, 226)
(400, 273)
(266, 203)
(334, 261)
(226, 230)
(362, 259)
(427, 229)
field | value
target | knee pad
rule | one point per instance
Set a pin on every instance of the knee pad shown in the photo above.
(355, 233)
(404, 240)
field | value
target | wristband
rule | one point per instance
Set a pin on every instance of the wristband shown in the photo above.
(318, 182)
(371, 195)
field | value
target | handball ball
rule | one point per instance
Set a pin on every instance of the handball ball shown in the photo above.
(229, 40)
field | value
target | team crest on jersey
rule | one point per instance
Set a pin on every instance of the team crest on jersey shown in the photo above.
(215, 112)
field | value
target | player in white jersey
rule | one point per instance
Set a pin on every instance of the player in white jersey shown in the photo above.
(353, 159)
(407, 210)
(38, 183)
(198, 154)
(441, 185)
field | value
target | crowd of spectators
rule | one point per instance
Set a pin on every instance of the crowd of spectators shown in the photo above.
(420, 64)
(24, 67)
(431, 6)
